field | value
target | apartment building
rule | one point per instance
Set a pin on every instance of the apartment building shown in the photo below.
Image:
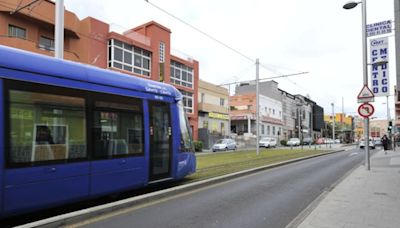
(243, 115)
(143, 51)
(213, 113)
(297, 115)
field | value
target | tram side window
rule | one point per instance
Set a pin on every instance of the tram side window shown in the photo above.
(118, 129)
(45, 127)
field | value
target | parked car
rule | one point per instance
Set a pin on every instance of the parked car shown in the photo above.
(293, 142)
(320, 141)
(377, 141)
(308, 141)
(224, 144)
(371, 143)
(337, 141)
(329, 141)
(267, 142)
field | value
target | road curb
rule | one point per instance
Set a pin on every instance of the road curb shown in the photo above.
(85, 214)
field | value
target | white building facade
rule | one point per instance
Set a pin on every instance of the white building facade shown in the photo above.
(270, 117)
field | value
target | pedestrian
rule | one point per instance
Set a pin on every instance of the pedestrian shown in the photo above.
(385, 142)
(394, 143)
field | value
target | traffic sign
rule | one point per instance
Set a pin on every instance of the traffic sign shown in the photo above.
(365, 95)
(366, 110)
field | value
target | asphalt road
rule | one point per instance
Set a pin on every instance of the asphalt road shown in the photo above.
(271, 198)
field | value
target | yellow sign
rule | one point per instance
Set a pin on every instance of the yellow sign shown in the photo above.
(218, 116)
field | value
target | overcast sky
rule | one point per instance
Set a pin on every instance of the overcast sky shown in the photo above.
(287, 36)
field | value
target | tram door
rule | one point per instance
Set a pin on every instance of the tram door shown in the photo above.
(160, 140)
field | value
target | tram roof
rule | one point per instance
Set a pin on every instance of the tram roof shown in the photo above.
(27, 61)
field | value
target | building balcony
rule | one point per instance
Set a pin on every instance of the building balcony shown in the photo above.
(133, 36)
(206, 107)
(34, 47)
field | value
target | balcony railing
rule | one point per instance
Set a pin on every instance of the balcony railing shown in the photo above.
(29, 45)
(130, 34)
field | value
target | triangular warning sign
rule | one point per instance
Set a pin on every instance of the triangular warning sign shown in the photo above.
(365, 93)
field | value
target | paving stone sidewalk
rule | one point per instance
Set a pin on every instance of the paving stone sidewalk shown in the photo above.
(364, 198)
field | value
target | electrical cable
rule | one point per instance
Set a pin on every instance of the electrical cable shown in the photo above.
(204, 33)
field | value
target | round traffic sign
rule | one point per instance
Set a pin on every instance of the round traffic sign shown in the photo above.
(366, 110)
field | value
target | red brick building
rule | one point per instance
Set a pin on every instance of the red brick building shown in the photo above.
(144, 51)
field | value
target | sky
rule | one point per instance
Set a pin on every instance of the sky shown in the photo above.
(288, 37)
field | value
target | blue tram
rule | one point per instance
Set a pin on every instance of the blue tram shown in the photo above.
(69, 132)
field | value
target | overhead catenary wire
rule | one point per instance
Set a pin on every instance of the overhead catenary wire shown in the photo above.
(263, 79)
(204, 33)
(212, 37)
(19, 7)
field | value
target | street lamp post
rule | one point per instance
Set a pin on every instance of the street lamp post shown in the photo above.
(351, 5)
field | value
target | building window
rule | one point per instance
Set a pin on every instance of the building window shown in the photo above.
(181, 74)
(130, 58)
(268, 130)
(162, 52)
(46, 43)
(221, 102)
(187, 100)
(205, 124)
(273, 130)
(16, 31)
(262, 129)
(202, 98)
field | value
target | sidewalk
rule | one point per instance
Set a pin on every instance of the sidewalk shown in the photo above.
(364, 198)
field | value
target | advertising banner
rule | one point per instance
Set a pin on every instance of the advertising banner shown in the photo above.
(379, 28)
(379, 58)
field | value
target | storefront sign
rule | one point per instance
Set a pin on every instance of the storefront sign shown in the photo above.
(218, 116)
(379, 28)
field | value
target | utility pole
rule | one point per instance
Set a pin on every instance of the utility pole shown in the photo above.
(59, 30)
(397, 43)
(229, 110)
(299, 121)
(388, 120)
(333, 122)
(257, 106)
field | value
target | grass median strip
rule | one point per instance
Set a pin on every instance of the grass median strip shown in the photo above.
(217, 164)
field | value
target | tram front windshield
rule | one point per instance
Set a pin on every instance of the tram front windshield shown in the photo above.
(186, 134)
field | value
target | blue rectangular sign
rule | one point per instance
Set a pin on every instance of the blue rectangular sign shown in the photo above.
(380, 68)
